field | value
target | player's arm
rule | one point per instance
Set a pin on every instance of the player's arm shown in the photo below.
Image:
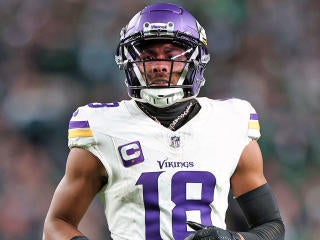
(249, 172)
(84, 177)
(255, 199)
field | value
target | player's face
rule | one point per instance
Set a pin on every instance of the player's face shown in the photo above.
(160, 73)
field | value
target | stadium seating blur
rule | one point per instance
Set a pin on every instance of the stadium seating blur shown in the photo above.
(56, 55)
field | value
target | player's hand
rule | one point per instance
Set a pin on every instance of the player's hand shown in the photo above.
(210, 233)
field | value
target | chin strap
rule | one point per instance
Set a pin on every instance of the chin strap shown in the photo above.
(162, 97)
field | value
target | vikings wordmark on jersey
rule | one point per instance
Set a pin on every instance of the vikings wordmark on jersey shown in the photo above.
(157, 178)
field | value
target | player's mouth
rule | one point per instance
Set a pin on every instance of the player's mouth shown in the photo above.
(159, 82)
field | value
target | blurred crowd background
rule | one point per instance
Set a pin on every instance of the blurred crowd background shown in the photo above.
(58, 54)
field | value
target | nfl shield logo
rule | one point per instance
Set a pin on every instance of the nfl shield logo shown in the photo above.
(175, 141)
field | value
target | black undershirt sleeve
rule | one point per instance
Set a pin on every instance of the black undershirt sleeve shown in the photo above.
(262, 213)
(79, 238)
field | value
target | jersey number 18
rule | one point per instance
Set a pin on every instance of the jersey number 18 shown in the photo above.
(179, 182)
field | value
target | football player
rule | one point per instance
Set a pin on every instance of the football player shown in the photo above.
(164, 161)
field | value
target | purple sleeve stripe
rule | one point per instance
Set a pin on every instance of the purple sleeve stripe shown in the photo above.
(78, 124)
(254, 116)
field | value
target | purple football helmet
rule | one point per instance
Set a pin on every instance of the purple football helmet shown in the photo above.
(167, 23)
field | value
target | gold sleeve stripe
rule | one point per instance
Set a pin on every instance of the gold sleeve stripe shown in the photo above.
(73, 133)
(254, 125)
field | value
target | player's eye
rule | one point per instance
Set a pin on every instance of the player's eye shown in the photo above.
(148, 58)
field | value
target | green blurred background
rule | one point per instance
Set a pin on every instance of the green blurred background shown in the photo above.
(58, 54)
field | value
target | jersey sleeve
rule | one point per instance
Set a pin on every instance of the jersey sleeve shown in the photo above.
(80, 133)
(253, 123)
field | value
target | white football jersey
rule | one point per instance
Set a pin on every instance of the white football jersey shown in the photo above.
(158, 178)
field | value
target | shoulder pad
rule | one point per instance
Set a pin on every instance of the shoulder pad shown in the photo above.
(80, 133)
(245, 109)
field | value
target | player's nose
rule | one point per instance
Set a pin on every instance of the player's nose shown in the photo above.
(161, 66)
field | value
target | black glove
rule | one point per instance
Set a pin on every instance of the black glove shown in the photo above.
(210, 233)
